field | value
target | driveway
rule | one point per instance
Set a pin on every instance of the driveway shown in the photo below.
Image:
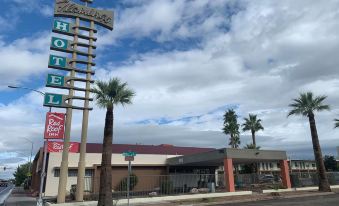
(326, 200)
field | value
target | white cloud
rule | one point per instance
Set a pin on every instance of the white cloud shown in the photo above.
(257, 59)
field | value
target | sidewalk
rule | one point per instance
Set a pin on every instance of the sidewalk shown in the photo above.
(20, 198)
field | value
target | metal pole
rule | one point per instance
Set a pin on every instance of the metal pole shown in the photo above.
(64, 163)
(128, 181)
(43, 174)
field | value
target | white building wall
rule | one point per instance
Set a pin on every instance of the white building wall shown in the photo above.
(93, 159)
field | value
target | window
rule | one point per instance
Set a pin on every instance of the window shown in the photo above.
(271, 165)
(313, 165)
(74, 172)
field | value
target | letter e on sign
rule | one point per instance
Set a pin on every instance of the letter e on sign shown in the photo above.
(55, 125)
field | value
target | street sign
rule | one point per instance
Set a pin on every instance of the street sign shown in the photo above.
(55, 125)
(129, 158)
(67, 8)
(129, 154)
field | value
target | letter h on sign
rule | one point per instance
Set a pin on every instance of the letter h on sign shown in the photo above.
(61, 26)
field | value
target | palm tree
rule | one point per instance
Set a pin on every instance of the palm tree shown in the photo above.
(107, 95)
(252, 124)
(336, 123)
(251, 146)
(306, 105)
(231, 127)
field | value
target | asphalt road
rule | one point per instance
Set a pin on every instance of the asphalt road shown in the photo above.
(326, 200)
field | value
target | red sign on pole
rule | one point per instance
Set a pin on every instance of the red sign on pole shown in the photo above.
(59, 146)
(55, 125)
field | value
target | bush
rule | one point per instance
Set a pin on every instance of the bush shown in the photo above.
(123, 183)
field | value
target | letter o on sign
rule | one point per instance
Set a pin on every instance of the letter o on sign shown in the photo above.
(59, 43)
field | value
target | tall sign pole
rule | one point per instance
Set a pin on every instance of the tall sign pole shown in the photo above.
(69, 9)
(79, 196)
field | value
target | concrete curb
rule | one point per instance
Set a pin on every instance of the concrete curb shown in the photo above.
(279, 190)
(265, 198)
(160, 199)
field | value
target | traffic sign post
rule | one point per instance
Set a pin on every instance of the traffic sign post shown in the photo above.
(129, 156)
(59, 62)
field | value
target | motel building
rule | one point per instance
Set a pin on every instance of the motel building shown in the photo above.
(185, 167)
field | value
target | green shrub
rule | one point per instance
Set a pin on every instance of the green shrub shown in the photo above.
(123, 183)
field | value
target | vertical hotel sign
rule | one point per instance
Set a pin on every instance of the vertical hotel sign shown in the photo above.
(73, 60)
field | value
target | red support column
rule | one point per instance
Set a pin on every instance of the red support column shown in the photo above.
(285, 174)
(229, 176)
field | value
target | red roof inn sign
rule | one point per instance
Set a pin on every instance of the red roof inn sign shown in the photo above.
(55, 125)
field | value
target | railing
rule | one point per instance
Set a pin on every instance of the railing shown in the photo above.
(257, 182)
(159, 185)
(306, 179)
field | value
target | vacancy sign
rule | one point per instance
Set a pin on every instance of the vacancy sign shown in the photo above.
(59, 146)
(55, 125)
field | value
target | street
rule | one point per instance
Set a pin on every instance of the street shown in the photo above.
(326, 200)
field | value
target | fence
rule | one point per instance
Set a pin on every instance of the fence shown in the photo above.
(257, 182)
(306, 179)
(159, 185)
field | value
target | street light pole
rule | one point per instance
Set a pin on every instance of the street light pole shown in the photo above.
(34, 90)
(43, 174)
(30, 157)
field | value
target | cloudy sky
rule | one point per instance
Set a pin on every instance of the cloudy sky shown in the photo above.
(188, 61)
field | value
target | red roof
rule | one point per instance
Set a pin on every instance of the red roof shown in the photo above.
(163, 149)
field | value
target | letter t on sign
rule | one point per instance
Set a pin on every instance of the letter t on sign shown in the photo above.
(57, 61)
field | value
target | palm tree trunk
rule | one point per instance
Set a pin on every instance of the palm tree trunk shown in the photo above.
(253, 139)
(324, 185)
(105, 192)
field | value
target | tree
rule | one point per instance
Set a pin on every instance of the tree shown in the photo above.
(252, 124)
(330, 163)
(252, 146)
(306, 105)
(336, 123)
(252, 167)
(22, 173)
(107, 95)
(231, 127)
